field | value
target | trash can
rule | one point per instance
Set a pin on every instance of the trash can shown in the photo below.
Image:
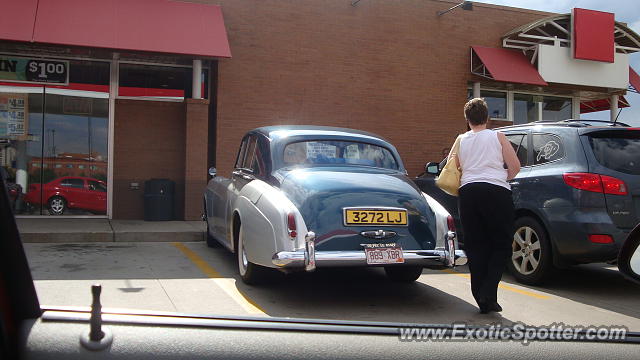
(159, 199)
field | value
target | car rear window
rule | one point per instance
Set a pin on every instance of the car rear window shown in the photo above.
(324, 152)
(617, 150)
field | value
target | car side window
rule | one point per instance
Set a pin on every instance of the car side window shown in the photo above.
(96, 186)
(241, 152)
(255, 164)
(519, 143)
(251, 152)
(546, 148)
(74, 183)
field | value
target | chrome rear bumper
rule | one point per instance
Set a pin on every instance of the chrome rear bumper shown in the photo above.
(310, 259)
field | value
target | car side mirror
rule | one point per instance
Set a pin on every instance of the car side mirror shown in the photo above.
(629, 256)
(212, 171)
(432, 168)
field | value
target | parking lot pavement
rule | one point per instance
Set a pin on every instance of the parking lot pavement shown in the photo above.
(191, 278)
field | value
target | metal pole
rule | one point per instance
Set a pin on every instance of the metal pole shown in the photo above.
(613, 101)
(196, 90)
(113, 94)
(21, 164)
(476, 89)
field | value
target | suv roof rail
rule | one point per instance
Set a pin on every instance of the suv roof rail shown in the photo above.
(570, 122)
(589, 122)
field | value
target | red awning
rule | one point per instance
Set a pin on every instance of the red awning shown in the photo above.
(160, 26)
(16, 19)
(504, 65)
(601, 104)
(634, 79)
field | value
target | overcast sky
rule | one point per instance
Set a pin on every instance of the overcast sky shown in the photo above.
(627, 11)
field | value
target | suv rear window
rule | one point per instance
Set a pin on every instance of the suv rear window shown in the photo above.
(617, 151)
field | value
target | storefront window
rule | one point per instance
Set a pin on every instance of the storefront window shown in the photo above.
(158, 82)
(556, 108)
(46, 130)
(496, 101)
(525, 108)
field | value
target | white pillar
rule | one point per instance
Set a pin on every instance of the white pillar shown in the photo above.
(476, 89)
(614, 107)
(21, 165)
(575, 111)
(196, 92)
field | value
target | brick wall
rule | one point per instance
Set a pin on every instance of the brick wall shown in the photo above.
(389, 67)
(149, 143)
(195, 176)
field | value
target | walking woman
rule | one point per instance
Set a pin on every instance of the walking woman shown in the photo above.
(487, 161)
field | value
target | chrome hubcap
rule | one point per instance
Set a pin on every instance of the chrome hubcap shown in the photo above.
(57, 205)
(526, 250)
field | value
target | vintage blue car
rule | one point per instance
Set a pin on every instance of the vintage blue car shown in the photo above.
(302, 197)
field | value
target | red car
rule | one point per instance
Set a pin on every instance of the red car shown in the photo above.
(70, 192)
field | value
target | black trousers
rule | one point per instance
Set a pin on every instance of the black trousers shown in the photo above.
(487, 216)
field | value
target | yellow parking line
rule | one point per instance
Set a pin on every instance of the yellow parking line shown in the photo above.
(226, 284)
(501, 285)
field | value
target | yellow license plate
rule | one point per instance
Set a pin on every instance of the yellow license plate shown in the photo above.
(375, 217)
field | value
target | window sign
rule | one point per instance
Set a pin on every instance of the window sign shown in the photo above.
(14, 115)
(546, 148)
(41, 71)
(315, 149)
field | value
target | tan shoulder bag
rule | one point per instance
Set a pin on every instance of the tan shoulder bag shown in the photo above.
(449, 178)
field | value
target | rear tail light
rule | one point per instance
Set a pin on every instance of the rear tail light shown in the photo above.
(613, 186)
(601, 239)
(595, 183)
(291, 225)
(450, 223)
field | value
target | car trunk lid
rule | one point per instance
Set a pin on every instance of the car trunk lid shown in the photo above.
(322, 194)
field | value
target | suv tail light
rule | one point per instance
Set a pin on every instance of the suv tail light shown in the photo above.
(450, 223)
(613, 185)
(595, 183)
(291, 225)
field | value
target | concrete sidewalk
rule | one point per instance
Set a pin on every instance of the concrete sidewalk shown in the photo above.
(61, 230)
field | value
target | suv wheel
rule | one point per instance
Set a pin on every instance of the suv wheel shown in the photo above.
(530, 261)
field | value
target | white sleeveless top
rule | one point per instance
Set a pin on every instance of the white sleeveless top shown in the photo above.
(481, 159)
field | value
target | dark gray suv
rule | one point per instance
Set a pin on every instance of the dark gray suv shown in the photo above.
(576, 197)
